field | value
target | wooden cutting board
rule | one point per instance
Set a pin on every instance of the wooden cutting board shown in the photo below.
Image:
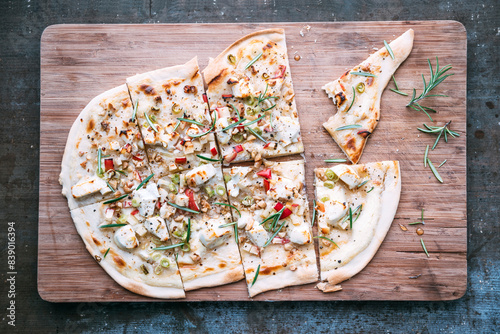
(80, 61)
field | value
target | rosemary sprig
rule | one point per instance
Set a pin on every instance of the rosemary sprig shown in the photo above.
(111, 225)
(254, 121)
(100, 173)
(236, 234)
(110, 187)
(442, 163)
(228, 224)
(135, 110)
(177, 125)
(275, 234)
(353, 98)
(322, 237)
(182, 208)
(336, 160)
(115, 199)
(387, 46)
(441, 131)
(434, 171)
(347, 127)
(256, 134)
(169, 247)
(436, 78)
(363, 183)
(314, 213)
(364, 74)
(256, 275)
(425, 155)
(350, 218)
(208, 159)
(206, 132)
(150, 123)
(190, 121)
(107, 251)
(370, 190)
(397, 88)
(234, 124)
(421, 219)
(253, 60)
(229, 205)
(423, 246)
(144, 181)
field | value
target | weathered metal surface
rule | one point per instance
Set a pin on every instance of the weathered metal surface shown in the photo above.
(21, 25)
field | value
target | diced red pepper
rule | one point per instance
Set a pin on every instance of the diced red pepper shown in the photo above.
(192, 203)
(267, 185)
(213, 150)
(267, 145)
(284, 241)
(158, 205)
(127, 204)
(108, 164)
(137, 158)
(238, 148)
(227, 96)
(280, 73)
(181, 160)
(265, 173)
(295, 205)
(137, 176)
(136, 211)
(287, 212)
(231, 156)
(205, 98)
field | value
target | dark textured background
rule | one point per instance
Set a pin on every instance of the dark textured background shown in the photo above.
(21, 25)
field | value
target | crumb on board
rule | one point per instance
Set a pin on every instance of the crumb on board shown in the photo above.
(305, 29)
(404, 228)
(327, 287)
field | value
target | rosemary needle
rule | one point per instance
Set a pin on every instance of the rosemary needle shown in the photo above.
(256, 275)
(423, 246)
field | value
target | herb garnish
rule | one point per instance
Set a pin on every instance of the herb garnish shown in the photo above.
(363, 183)
(353, 98)
(107, 251)
(253, 60)
(314, 213)
(144, 181)
(425, 155)
(190, 121)
(169, 247)
(110, 187)
(234, 124)
(111, 225)
(440, 131)
(208, 159)
(228, 224)
(350, 218)
(434, 171)
(182, 208)
(421, 219)
(256, 134)
(370, 190)
(99, 164)
(397, 88)
(336, 160)
(322, 237)
(275, 233)
(436, 78)
(115, 199)
(177, 125)
(236, 233)
(254, 121)
(423, 246)
(188, 234)
(229, 205)
(364, 74)
(135, 110)
(388, 47)
(347, 127)
(208, 131)
(442, 163)
(150, 123)
(256, 275)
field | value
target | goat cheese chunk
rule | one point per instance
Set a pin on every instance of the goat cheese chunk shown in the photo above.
(89, 187)
(157, 227)
(125, 237)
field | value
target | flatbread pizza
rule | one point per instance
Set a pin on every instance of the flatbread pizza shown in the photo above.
(357, 95)
(250, 89)
(356, 205)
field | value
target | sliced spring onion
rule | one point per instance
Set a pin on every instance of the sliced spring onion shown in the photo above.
(322, 237)
(253, 60)
(115, 199)
(434, 171)
(425, 155)
(275, 233)
(182, 208)
(164, 262)
(231, 59)
(423, 246)
(185, 248)
(353, 98)
(111, 225)
(135, 110)
(150, 123)
(336, 160)
(364, 74)
(144, 181)
(220, 190)
(168, 247)
(360, 87)
(229, 205)
(107, 251)
(329, 184)
(387, 46)
(190, 121)
(256, 275)
(347, 127)
(208, 159)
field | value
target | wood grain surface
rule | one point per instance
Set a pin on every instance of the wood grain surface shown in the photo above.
(80, 61)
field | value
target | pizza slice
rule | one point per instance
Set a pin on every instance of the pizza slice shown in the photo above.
(104, 155)
(131, 242)
(275, 236)
(250, 88)
(173, 117)
(357, 95)
(195, 206)
(355, 208)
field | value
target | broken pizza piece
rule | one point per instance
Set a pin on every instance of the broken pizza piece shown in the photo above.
(355, 208)
(104, 155)
(251, 94)
(194, 204)
(274, 228)
(357, 95)
(173, 117)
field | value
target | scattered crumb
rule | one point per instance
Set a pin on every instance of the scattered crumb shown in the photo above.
(305, 29)
(414, 277)
(403, 227)
(376, 49)
(327, 287)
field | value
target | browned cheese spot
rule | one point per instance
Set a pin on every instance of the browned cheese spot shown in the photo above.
(148, 90)
(96, 241)
(351, 144)
(90, 125)
(119, 261)
(215, 80)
